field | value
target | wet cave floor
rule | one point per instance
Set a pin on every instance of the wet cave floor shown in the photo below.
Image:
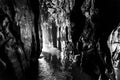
(52, 70)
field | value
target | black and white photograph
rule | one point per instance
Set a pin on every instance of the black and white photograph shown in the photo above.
(59, 39)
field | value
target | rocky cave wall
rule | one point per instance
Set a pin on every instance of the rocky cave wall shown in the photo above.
(59, 40)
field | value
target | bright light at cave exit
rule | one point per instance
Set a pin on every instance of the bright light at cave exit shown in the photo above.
(48, 41)
(47, 37)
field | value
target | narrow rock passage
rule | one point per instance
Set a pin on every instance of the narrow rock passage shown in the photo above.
(45, 71)
(49, 69)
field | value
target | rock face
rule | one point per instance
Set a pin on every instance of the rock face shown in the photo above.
(113, 44)
(16, 38)
(29, 27)
(59, 40)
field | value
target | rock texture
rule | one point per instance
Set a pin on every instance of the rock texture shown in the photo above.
(59, 40)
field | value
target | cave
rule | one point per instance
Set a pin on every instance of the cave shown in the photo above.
(59, 40)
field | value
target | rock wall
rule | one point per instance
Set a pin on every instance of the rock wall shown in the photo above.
(59, 39)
